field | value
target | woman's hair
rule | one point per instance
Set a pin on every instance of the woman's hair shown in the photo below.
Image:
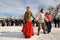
(41, 10)
(27, 7)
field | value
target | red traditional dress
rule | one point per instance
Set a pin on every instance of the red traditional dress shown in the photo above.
(28, 29)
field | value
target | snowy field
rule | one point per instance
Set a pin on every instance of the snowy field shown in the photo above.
(14, 33)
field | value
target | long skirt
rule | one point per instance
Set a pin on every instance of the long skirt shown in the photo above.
(28, 29)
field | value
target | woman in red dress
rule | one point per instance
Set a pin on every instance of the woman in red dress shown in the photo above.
(27, 27)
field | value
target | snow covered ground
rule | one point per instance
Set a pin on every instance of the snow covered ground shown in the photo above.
(14, 33)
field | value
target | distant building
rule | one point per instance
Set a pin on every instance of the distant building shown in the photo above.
(2, 19)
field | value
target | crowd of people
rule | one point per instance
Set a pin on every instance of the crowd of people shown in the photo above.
(11, 22)
(56, 18)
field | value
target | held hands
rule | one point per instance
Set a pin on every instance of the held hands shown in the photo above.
(35, 20)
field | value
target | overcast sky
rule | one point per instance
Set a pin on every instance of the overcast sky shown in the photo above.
(17, 8)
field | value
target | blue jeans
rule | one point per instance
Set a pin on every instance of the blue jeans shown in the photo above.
(48, 26)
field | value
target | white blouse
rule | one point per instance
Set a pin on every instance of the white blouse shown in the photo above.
(40, 17)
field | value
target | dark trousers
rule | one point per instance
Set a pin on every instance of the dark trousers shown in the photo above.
(49, 26)
(33, 22)
(56, 22)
